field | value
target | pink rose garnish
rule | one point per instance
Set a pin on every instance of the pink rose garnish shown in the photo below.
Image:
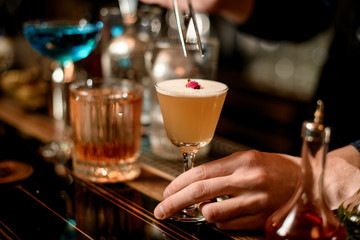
(193, 84)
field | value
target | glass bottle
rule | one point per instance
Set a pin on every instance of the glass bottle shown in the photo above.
(123, 57)
(349, 214)
(306, 215)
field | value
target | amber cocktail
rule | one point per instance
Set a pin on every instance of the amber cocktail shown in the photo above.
(105, 119)
(191, 110)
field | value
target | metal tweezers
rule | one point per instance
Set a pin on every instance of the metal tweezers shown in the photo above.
(181, 35)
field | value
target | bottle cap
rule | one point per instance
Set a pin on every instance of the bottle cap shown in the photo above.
(316, 131)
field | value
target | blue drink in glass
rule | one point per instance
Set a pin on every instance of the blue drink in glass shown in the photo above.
(66, 42)
(63, 43)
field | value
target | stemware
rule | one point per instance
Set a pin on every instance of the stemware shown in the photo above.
(191, 110)
(65, 41)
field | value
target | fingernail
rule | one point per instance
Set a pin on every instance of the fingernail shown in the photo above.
(159, 212)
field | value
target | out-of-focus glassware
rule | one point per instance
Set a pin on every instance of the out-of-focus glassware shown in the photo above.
(131, 31)
(306, 215)
(65, 41)
(105, 119)
(123, 55)
(349, 214)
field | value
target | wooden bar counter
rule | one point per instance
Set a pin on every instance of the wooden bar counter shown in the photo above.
(53, 203)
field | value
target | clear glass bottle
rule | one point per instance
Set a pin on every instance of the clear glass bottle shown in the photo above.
(349, 214)
(123, 57)
(306, 215)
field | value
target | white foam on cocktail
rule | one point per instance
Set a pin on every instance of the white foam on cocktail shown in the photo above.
(177, 87)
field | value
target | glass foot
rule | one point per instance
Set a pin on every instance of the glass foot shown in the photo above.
(13, 171)
(191, 214)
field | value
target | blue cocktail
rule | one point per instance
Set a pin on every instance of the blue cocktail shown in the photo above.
(65, 42)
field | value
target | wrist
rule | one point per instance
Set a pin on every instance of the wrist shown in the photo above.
(356, 144)
(342, 175)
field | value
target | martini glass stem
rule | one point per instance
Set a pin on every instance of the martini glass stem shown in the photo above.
(61, 78)
(191, 213)
(189, 160)
(69, 71)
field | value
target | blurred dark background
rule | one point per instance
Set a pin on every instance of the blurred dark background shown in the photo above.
(271, 83)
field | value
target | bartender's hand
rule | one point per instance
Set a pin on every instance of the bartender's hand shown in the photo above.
(257, 183)
(342, 175)
(237, 11)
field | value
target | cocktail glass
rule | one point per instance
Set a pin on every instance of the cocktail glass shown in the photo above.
(65, 41)
(190, 118)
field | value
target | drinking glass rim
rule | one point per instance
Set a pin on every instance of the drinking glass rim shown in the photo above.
(181, 92)
(62, 22)
(123, 86)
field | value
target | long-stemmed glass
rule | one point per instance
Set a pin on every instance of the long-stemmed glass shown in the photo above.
(65, 41)
(191, 110)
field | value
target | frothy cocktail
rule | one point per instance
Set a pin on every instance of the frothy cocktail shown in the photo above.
(191, 111)
(191, 115)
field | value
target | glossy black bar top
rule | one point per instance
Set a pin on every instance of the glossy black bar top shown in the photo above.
(54, 204)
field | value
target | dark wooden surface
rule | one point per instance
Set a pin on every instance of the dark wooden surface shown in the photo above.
(53, 203)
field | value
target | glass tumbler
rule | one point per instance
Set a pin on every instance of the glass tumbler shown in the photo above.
(106, 129)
